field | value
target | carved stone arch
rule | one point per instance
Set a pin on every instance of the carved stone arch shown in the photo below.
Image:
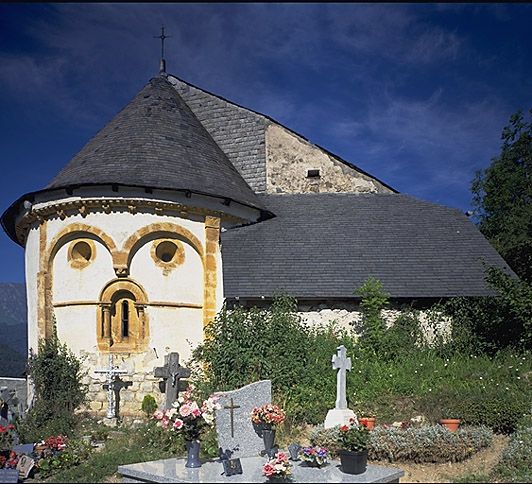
(48, 253)
(69, 232)
(122, 323)
(165, 229)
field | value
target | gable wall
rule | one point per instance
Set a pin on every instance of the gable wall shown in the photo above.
(290, 157)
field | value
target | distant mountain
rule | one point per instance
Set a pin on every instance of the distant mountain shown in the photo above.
(13, 326)
(12, 363)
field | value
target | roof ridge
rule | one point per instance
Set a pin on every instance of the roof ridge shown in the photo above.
(338, 158)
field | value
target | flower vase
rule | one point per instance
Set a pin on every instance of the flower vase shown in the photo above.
(193, 450)
(268, 436)
(353, 462)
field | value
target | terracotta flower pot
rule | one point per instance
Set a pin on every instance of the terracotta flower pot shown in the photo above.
(451, 423)
(368, 422)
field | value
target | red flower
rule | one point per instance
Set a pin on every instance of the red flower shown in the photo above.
(344, 428)
(10, 427)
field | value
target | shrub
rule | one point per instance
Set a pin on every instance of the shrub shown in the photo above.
(488, 324)
(245, 345)
(431, 443)
(149, 405)
(374, 300)
(75, 452)
(515, 464)
(501, 410)
(322, 437)
(56, 375)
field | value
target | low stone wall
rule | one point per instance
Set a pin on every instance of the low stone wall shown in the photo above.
(140, 384)
(348, 316)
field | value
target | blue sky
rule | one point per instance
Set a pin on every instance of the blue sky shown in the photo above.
(414, 94)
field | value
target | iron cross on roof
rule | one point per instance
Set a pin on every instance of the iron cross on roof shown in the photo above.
(162, 37)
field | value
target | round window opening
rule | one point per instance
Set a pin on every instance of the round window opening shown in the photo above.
(82, 252)
(166, 251)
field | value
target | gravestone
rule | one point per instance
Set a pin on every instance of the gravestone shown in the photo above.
(340, 415)
(171, 372)
(234, 427)
(111, 372)
(8, 400)
(8, 476)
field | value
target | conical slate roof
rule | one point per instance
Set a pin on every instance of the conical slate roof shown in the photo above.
(157, 142)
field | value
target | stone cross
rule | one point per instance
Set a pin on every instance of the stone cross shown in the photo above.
(171, 372)
(341, 363)
(232, 408)
(111, 371)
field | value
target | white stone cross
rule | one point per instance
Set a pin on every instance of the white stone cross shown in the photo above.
(341, 363)
(111, 371)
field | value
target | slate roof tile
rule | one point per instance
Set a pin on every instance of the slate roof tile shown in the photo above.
(326, 245)
(156, 141)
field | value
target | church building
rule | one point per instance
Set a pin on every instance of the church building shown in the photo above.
(185, 200)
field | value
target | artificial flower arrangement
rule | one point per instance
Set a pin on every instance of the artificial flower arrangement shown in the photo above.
(268, 414)
(353, 437)
(314, 455)
(6, 437)
(187, 417)
(9, 462)
(56, 443)
(278, 467)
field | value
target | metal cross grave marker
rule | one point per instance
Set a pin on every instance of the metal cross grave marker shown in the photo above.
(171, 372)
(341, 363)
(232, 408)
(111, 371)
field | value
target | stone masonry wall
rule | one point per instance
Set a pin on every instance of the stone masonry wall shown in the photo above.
(290, 157)
(238, 131)
(346, 316)
(142, 383)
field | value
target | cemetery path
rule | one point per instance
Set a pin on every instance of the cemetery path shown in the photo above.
(480, 464)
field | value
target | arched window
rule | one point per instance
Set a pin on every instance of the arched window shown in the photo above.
(125, 318)
(122, 320)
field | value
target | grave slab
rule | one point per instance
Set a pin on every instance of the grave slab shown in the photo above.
(174, 470)
(234, 427)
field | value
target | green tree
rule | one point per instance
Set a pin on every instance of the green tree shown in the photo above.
(502, 195)
(56, 375)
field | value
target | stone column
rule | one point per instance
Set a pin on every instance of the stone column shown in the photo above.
(210, 276)
(106, 310)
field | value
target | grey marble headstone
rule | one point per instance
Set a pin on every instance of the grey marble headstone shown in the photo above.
(233, 420)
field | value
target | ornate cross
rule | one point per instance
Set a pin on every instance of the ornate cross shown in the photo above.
(341, 363)
(162, 37)
(171, 372)
(231, 408)
(111, 371)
